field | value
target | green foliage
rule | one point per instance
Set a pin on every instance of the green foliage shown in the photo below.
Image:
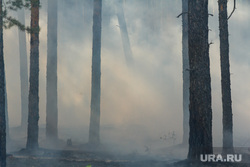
(17, 4)
(88, 166)
(14, 5)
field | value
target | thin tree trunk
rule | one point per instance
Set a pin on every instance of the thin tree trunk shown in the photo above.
(94, 128)
(2, 97)
(185, 72)
(124, 33)
(23, 71)
(33, 115)
(6, 112)
(200, 138)
(225, 79)
(51, 107)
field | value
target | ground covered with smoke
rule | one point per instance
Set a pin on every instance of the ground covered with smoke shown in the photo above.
(141, 105)
(97, 160)
(67, 152)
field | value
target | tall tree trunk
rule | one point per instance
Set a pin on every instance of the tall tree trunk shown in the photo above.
(94, 128)
(51, 107)
(2, 97)
(124, 33)
(33, 115)
(200, 138)
(6, 112)
(225, 79)
(23, 71)
(185, 72)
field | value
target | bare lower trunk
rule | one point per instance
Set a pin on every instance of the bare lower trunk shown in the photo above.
(33, 115)
(23, 71)
(185, 72)
(94, 128)
(51, 105)
(200, 138)
(124, 33)
(2, 97)
(6, 112)
(225, 79)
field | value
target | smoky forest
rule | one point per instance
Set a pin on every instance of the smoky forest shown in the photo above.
(124, 83)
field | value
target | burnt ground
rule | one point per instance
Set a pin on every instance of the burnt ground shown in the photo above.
(31, 161)
(66, 154)
(63, 154)
(76, 158)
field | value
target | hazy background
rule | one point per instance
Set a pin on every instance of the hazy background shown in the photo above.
(139, 104)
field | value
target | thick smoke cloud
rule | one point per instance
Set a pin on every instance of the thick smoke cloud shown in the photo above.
(142, 103)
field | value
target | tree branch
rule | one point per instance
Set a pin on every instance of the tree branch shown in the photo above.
(181, 14)
(233, 10)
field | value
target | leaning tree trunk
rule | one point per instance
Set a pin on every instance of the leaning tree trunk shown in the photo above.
(225, 79)
(200, 139)
(2, 97)
(124, 33)
(33, 115)
(51, 107)
(185, 72)
(94, 128)
(23, 71)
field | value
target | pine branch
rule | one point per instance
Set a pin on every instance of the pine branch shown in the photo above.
(233, 10)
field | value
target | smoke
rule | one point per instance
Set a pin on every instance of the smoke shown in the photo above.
(142, 103)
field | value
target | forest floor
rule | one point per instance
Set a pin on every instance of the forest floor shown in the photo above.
(64, 153)
(41, 161)
(79, 158)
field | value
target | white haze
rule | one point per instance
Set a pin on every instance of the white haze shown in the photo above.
(141, 103)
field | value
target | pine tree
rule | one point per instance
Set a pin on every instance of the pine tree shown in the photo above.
(124, 33)
(94, 128)
(23, 71)
(200, 138)
(2, 96)
(225, 79)
(51, 105)
(33, 115)
(185, 72)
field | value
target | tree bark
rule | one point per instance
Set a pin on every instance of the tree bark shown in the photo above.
(200, 138)
(124, 33)
(94, 128)
(185, 72)
(2, 97)
(6, 111)
(33, 115)
(23, 71)
(51, 105)
(225, 79)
